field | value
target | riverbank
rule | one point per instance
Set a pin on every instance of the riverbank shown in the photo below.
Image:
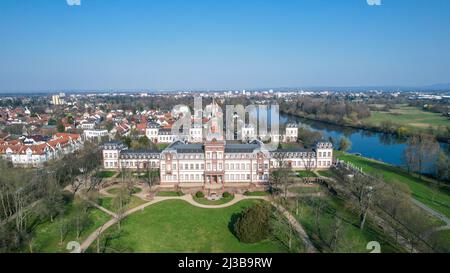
(425, 190)
(367, 127)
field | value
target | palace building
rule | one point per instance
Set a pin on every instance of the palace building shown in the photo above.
(211, 162)
(216, 163)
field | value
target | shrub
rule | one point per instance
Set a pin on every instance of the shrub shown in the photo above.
(253, 224)
(199, 194)
(226, 194)
(246, 193)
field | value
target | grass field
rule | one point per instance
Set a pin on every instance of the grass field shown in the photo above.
(438, 199)
(47, 235)
(412, 117)
(176, 226)
(326, 173)
(306, 174)
(169, 193)
(106, 174)
(116, 190)
(305, 190)
(107, 203)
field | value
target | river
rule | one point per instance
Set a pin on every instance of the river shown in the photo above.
(380, 146)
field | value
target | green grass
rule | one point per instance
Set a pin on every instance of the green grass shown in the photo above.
(441, 241)
(351, 238)
(306, 174)
(221, 201)
(326, 173)
(176, 226)
(438, 199)
(107, 203)
(412, 117)
(305, 190)
(116, 190)
(106, 174)
(256, 193)
(169, 193)
(47, 237)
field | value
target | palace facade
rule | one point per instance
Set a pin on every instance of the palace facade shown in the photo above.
(217, 162)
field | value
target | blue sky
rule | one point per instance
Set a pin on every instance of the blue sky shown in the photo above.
(222, 44)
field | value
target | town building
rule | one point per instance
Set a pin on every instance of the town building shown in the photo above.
(35, 155)
(94, 134)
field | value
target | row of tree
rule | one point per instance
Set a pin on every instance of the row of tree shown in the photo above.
(30, 197)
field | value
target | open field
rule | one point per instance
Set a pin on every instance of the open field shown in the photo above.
(411, 117)
(176, 226)
(438, 199)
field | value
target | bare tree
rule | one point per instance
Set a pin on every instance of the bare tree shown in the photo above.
(363, 188)
(120, 204)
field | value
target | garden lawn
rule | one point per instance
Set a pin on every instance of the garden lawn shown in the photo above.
(306, 174)
(326, 173)
(169, 193)
(438, 199)
(107, 203)
(204, 201)
(47, 235)
(177, 226)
